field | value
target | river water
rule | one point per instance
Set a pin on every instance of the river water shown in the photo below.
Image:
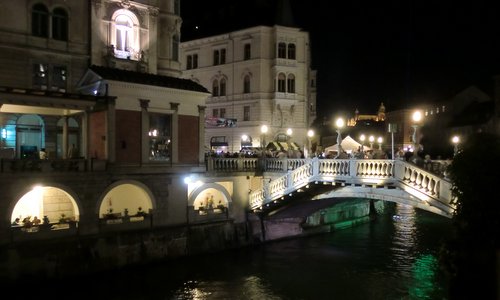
(394, 257)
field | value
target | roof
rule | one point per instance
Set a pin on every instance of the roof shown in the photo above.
(348, 144)
(148, 79)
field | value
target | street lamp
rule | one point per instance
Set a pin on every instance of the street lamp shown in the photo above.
(339, 124)
(379, 141)
(455, 140)
(263, 130)
(362, 138)
(289, 133)
(417, 116)
(371, 139)
(310, 134)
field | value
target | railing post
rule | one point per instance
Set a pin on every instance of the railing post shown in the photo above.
(353, 167)
(315, 166)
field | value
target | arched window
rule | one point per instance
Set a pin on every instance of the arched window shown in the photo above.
(123, 32)
(246, 84)
(40, 21)
(281, 50)
(215, 88)
(290, 83)
(60, 24)
(175, 48)
(291, 51)
(281, 82)
(125, 35)
(223, 87)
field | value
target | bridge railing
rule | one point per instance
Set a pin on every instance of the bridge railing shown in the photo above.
(428, 186)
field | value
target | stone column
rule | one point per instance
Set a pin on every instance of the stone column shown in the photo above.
(201, 134)
(65, 138)
(144, 130)
(175, 132)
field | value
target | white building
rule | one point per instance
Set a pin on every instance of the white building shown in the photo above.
(257, 76)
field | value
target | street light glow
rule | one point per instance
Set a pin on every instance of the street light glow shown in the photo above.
(263, 129)
(310, 133)
(379, 140)
(339, 123)
(417, 116)
(289, 131)
(244, 138)
(362, 138)
(455, 139)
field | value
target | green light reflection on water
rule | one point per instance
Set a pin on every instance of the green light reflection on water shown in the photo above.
(424, 272)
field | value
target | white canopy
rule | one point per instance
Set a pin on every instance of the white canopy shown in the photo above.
(348, 144)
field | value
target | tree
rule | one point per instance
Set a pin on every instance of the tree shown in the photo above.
(470, 256)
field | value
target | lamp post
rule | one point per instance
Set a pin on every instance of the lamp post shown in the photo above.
(455, 140)
(379, 141)
(263, 130)
(371, 139)
(310, 134)
(417, 116)
(362, 138)
(339, 124)
(289, 132)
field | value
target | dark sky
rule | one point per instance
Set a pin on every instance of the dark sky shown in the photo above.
(401, 53)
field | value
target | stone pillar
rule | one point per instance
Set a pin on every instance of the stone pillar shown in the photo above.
(144, 130)
(175, 132)
(111, 130)
(201, 134)
(65, 138)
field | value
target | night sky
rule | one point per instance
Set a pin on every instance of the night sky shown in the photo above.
(401, 53)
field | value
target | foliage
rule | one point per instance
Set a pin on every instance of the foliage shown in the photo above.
(470, 255)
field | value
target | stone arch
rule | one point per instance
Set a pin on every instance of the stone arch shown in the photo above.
(137, 195)
(51, 200)
(198, 196)
(30, 135)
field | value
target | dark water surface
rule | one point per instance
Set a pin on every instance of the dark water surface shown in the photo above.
(394, 257)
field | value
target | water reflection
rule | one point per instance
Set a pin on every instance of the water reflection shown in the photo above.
(391, 258)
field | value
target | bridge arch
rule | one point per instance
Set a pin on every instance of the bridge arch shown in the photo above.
(52, 200)
(132, 195)
(391, 195)
(203, 194)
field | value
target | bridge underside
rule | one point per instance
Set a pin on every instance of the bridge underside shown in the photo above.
(325, 194)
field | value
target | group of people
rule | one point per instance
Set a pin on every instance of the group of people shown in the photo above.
(28, 222)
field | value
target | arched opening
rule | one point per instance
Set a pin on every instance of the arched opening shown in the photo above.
(45, 205)
(126, 200)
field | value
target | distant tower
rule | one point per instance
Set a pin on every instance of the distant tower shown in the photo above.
(381, 112)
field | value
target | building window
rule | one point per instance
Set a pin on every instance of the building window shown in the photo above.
(222, 56)
(291, 51)
(222, 112)
(246, 113)
(281, 50)
(216, 57)
(125, 35)
(40, 21)
(192, 61)
(246, 84)
(160, 142)
(247, 52)
(215, 112)
(59, 78)
(175, 48)
(40, 76)
(222, 88)
(60, 24)
(48, 77)
(291, 83)
(215, 88)
(281, 83)
(195, 61)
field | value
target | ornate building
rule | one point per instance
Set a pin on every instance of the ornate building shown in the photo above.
(257, 76)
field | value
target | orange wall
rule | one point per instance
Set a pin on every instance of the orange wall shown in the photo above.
(97, 138)
(188, 139)
(128, 136)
